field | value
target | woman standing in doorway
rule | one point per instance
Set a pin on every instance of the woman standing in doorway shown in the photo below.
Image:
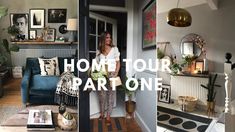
(107, 51)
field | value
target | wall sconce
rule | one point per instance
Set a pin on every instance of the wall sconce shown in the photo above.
(72, 27)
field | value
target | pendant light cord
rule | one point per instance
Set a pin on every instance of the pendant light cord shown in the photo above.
(178, 3)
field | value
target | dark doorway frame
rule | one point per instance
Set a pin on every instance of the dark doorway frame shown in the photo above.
(83, 51)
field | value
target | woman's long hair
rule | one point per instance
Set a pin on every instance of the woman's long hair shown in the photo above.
(102, 41)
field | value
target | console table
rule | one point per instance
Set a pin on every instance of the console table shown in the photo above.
(3, 78)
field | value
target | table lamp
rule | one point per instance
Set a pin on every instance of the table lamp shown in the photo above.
(72, 27)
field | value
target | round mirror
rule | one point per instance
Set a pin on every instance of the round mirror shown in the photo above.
(191, 45)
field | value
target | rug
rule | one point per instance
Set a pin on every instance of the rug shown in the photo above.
(181, 121)
(8, 111)
(117, 125)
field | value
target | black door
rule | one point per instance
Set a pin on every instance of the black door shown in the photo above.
(84, 100)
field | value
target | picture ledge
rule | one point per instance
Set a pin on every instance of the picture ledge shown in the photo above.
(41, 42)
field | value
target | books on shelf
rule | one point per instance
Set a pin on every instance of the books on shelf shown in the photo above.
(40, 120)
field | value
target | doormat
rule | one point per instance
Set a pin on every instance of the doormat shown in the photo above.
(181, 121)
(117, 125)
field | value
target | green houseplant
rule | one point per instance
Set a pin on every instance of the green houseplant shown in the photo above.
(7, 48)
(130, 103)
(160, 54)
(13, 31)
(175, 68)
(211, 94)
(4, 43)
(3, 11)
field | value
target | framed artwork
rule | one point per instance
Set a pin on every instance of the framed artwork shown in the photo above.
(57, 15)
(50, 36)
(199, 64)
(37, 18)
(32, 34)
(149, 25)
(20, 20)
(164, 94)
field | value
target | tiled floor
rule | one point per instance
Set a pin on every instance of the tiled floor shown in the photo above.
(215, 126)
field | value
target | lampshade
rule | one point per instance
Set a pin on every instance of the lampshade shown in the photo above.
(3, 11)
(179, 17)
(72, 24)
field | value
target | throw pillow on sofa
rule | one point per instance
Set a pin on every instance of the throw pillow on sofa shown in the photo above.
(49, 67)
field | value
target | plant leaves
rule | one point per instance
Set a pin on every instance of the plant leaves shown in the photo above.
(6, 45)
(14, 48)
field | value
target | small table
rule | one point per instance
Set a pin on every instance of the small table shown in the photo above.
(4, 75)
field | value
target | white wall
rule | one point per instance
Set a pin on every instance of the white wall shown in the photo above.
(215, 26)
(146, 100)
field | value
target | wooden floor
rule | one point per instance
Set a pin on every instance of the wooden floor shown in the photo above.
(12, 96)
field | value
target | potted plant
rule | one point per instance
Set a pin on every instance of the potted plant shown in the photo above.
(175, 68)
(3, 11)
(160, 54)
(13, 31)
(187, 62)
(211, 94)
(130, 103)
(3, 58)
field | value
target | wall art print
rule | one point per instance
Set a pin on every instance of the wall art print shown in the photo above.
(149, 25)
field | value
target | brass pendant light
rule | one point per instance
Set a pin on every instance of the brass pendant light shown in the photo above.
(179, 17)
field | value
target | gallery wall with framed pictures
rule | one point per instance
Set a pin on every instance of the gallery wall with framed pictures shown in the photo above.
(38, 15)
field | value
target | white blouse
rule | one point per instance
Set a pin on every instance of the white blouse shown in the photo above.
(113, 54)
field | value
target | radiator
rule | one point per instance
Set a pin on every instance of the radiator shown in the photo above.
(189, 86)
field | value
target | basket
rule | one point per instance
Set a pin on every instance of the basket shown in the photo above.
(188, 103)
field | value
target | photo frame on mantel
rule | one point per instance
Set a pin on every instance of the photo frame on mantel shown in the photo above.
(50, 36)
(37, 18)
(149, 26)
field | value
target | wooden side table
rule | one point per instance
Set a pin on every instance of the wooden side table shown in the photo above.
(3, 78)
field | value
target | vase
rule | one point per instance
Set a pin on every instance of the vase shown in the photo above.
(210, 108)
(130, 108)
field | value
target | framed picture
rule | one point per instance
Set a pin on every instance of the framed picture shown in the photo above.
(57, 15)
(32, 34)
(149, 25)
(199, 64)
(164, 94)
(20, 20)
(50, 36)
(37, 18)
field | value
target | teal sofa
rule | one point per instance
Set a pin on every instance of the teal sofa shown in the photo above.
(37, 89)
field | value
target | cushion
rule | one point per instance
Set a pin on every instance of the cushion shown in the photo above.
(49, 67)
(43, 85)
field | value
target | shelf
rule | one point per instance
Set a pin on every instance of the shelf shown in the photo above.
(43, 43)
(192, 75)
